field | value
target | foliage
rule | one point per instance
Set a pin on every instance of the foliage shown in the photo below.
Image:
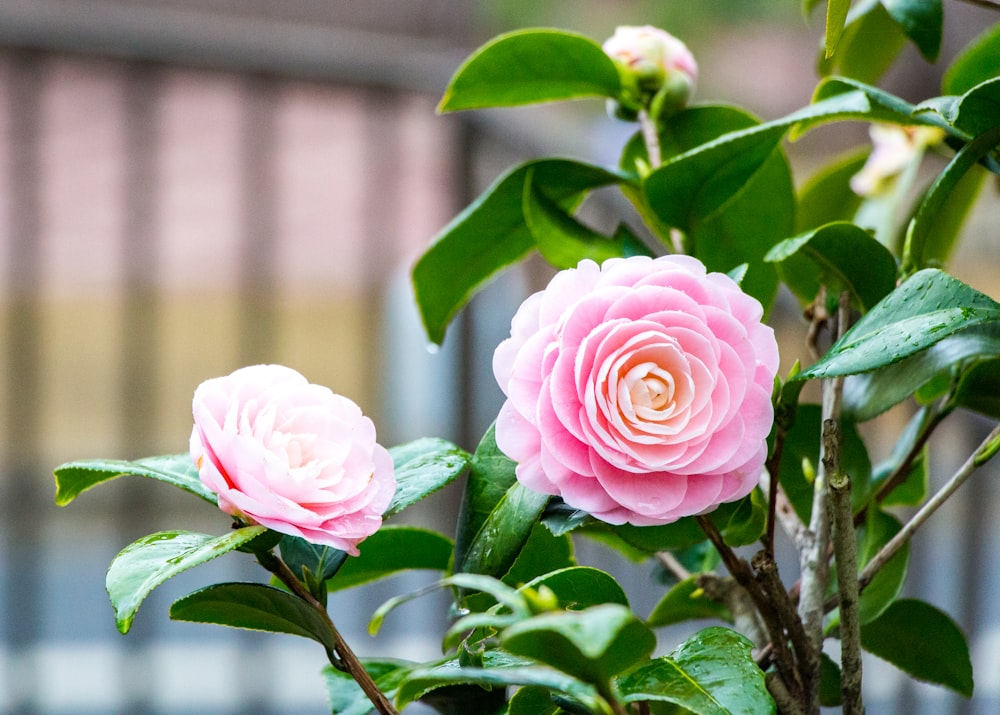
(534, 632)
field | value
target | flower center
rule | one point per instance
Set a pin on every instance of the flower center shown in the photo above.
(654, 390)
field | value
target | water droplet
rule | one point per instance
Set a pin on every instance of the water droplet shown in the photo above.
(433, 348)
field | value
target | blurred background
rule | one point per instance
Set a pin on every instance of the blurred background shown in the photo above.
(189, 186)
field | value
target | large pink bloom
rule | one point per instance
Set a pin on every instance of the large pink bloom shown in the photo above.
(638, 390)
(291, 456)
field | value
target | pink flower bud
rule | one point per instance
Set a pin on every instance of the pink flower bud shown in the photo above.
(652, 56)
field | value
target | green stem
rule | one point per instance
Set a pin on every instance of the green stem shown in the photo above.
(343, 657)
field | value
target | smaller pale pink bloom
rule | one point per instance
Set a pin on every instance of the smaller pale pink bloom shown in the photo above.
(638, 390)
(292, 456)
(894, 148)
(653, 55)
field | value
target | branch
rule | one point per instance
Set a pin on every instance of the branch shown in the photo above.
(846, 552)
(987, 448)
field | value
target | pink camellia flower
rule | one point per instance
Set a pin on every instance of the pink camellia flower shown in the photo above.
(291, 456)
(653, 55)
(638, 390)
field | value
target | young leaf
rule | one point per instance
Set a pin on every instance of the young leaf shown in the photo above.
(712, 673)
(179, 470)
(840, 256)
(579, 587)
(882, 591)
(148, 562)
(253, 606)
(684, 602)
(491, 234)
(870, 43)
(977, 62)
(921, 640)
(423, 467)
(924, 310)
(346, 696)
(320, 560)
(836, 17)
(922, 21)
(529, 66)
(390, 550)
(593, 645)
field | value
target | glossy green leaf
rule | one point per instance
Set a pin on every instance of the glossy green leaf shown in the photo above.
(836, 17)
(802, 445)
(499, 670)
(923, 641)
(913, 489)
(579, 587)
(423, 467)
(827, 195)
(491, 234)
(684, 602)
(979, 388)
(255, 607)
(829, 685)
(179, 470)
(883, 590)
(304, 557)
(747, 523)
(840, 256)
(924, 310)
(712, 673)
(346, 696)
(505, 532)
(922, 21)
(529, 66)
(533, 700)
(978, 61)
(148, 562)
(390, 550)
(862, 101)
(978, 110)
(491, 474)
(563, 241)
(593, 645)
(869, 394)
(680, 534)
(870, 43)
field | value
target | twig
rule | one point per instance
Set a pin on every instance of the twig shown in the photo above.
(787, 705)
(976, 459)
(343, 658)
(846, 553)
(671, 564)
(651, 138)
(991, 4)
(767, 576)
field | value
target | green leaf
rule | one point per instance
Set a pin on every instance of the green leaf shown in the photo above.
(593, 644)
(303, 556)
(802, 445)
(346, 696)
(491, 234)
(829, 685)
(533, 700)
(505, 532)
(977, 62)
(922, 641)
(827, 195)
(73, 478)
(529, 66)
(499, 670)
(148, 562)
(979, 388)
(840, 256)
(978, 110)
(684, 602)
(562, 240)
(870, 43)
(922, 228)
(423, 467)
(491, 474)
(746, 524)
(882, 591)
(836, 17)
(870, 394)
(922, 21)
(712, 673)
(927, 308)
(390, 550)
(541, 553)
(858, 100)
(913, 489)
(579, 587)
(254, 606)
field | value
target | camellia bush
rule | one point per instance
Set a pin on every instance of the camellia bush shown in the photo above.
(644, 404)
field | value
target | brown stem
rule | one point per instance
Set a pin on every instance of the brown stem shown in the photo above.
(846, 552)
(343, 658)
